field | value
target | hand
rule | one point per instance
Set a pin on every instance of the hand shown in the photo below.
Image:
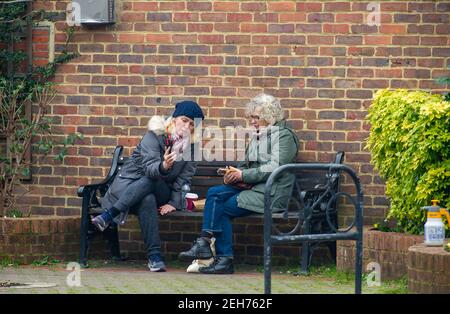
(169, 159)
(232, 177)
(165, 209)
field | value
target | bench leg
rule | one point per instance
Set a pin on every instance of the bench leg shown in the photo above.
(112, 234)
(83, 252)
(327, 229)
(84, 242)
(306, 257)
(306, 248)
(332, 249)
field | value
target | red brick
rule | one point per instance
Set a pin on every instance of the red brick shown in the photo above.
(131, 38)
(337, 6)
(222, 91)
(145, 6)
(292, 17)
(388, 73)
(405, 40)
(173, 27)
(348, 18)
(253, 28)
(360, 72)
(238, 39)
(336, 28)
(200, 27)
(392, 29)
(239, 17)
(309, 6)
(226, 6)
(394, 6)
(281, 28)
(211, 39)
(320, 40)
(213, 17)
(226, 27)
(253, 6)
(105, 38)
(170, 90)
(434, 41)
(104, 58)
(199, 6)
(282, 6)
(132, 17)
(185, 17)
(377, 40)
(158, 38)
(264, 39)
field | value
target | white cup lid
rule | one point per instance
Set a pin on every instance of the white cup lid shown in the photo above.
(191, 195)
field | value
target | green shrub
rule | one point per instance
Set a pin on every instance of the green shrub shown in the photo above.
(410, 146)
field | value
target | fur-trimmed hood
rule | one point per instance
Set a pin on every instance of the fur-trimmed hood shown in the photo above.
(158, 124)
(161, 125)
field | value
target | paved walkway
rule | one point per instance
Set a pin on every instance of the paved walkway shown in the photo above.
(133, 277)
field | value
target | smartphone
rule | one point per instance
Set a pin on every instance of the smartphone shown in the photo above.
(169, 144)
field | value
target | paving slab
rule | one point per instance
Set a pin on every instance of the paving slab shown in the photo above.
(135, 278)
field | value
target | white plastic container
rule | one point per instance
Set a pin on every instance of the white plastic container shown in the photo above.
(434, 232)
(434, 227)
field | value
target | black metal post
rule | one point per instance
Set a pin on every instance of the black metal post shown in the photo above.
(267, 235)
(359, 241)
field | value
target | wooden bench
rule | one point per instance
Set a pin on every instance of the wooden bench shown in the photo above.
(306, 190)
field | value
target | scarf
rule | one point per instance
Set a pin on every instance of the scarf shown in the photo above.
(178, 143)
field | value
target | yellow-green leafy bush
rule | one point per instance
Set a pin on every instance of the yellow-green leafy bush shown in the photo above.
(410, 146)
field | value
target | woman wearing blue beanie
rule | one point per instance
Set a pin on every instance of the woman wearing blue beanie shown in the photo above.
(150, 180)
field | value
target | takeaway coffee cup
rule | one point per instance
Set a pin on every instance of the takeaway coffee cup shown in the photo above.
(190, 198)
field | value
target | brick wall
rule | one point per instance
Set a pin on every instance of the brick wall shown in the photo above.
(26, 240)
(30, 239)
(179, 230)
(388, 249)
(400, 256)
(321, 58)
(428, 270)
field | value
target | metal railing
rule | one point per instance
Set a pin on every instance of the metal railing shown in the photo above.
(346, 234)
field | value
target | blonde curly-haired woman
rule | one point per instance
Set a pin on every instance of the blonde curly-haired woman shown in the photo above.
(242, 193)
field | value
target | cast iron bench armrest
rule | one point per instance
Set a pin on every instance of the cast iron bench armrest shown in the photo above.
(89, 187)
(110, 176)
(310, 194)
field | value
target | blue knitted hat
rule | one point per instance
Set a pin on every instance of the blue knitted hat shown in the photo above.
(189, 109)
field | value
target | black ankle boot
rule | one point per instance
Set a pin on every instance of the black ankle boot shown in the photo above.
(221, 265)
(200, 250)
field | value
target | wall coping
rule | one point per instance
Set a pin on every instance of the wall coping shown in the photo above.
(39, 217)
(430, 250)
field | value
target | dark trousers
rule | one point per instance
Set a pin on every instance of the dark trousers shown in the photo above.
(138, 189)
(221, 208)
(143, 197)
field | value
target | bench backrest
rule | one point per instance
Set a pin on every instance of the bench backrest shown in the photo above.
(206, 174)
(311, 179)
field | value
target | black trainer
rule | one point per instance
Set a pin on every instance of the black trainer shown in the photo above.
(220, 265)
(200, 250)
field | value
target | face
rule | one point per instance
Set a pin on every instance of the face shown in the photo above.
(183, 126)
(256, 121)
